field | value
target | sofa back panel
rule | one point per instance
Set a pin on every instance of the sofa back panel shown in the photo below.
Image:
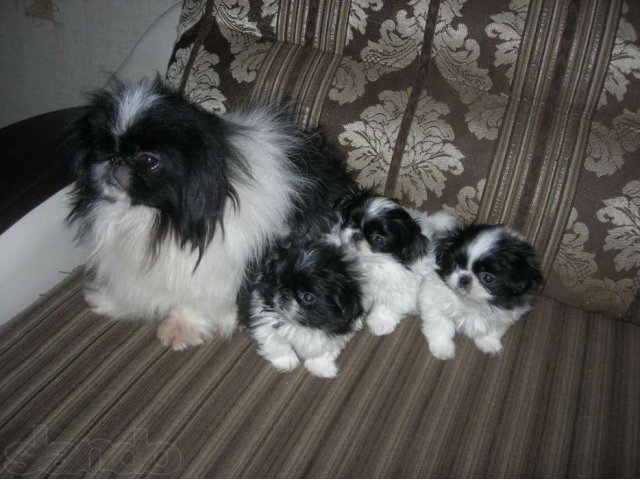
(597, 263)
(523, 112)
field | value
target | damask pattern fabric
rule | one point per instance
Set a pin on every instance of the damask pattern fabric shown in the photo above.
(522, 112)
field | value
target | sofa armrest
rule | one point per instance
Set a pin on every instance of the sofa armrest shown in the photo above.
(35, 163)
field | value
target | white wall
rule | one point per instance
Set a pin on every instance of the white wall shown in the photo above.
(47, 65)
(38, 251)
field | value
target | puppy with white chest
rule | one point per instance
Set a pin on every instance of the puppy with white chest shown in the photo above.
(485, 279)
(393, 255)
(306, 303)
(175, 203)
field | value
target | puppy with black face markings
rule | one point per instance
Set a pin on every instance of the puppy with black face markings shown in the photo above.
(306, 303)
(392, 251)
(175, 203)
(485, 280)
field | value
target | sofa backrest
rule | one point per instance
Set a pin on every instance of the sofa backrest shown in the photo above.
(519, 112)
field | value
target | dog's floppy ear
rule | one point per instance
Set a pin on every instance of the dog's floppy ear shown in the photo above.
(526, 278)
(415, 249)
(414, 243)
(206, 186)
(350, 200)
(350, 305)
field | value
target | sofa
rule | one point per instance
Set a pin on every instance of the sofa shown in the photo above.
(521, 112)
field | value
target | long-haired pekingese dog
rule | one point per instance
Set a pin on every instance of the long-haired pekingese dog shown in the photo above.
(176, 202)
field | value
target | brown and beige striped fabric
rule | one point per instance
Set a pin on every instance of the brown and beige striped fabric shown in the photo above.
(525, 112)
(81, 396)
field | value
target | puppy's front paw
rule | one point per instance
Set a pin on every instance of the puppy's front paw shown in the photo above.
(322, 367)
(284, 363)
(443, 349)
(490, 345)
(179, 333)
(379, 325)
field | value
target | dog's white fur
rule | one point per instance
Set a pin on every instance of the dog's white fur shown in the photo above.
(282, 342)
(390, 289)
(194, 304)
(446, 309)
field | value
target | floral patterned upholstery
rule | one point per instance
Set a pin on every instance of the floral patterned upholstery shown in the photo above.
(523, 112)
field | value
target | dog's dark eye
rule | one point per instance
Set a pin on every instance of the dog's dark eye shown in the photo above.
(306, 297)
(378, 240)
(149, 161)
(487, 278)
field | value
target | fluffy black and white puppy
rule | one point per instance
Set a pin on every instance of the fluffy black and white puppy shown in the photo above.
(175, 202)
(307, 303)
(392, 251)
(485, 279)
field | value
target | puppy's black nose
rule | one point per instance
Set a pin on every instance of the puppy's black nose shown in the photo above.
(284, 298)
(464, 280)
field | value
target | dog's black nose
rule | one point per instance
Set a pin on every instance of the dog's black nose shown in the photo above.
(464, 280)
(284, 297)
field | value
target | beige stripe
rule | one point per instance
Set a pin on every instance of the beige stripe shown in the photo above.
(25, 384)
(564, 388)
(26, 349)
(69, 368)
(629, 420)
(442, 415)
(251, 396)
(312, 86)
(522, 402)
(587, 453)
(186, 405)
(495, 374)
(252, 432)
(12, 332)
(565, 152)
(176, 383)
(409, 403)
(331, 26)
(343, 442)
(291, 458)
(303, 74)
(127, 375)
(539, 48)
(292, 21)
(275, 72)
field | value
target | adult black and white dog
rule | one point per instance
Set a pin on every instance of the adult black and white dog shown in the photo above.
(175, 203)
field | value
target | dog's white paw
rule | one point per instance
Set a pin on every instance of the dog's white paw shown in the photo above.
(381, 326)
(284, 363)
(179, 333)
(322, 367)
(490, 345)
(443, 349)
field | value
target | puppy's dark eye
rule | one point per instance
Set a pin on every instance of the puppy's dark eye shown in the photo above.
(378, 240)
(306, 297)
(487, 277)
(148, 161)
